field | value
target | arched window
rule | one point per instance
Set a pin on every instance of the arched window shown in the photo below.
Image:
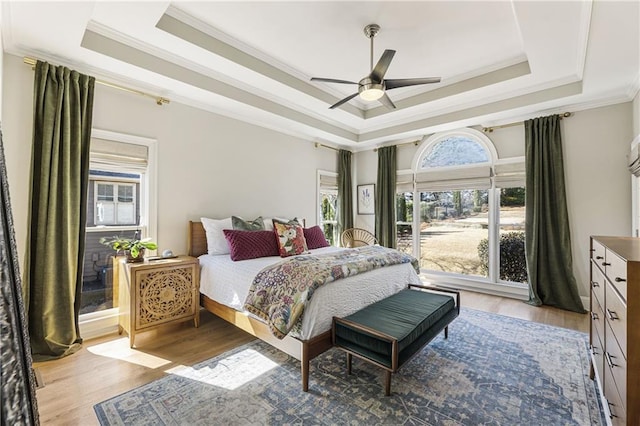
(457, 208)
(454, 150)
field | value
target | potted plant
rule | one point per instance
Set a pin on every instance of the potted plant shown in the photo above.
(133, 248)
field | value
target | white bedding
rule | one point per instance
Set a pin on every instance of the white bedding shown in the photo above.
(227, 282)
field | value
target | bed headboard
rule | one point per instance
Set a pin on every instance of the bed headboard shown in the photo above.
(197, 239)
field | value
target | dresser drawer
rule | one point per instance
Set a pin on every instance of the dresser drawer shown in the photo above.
(597, 284)
(597, 352)
(616, 271)
(617, 412)
(598, 252)
(617, 365)
(616, 317)
(597, 321)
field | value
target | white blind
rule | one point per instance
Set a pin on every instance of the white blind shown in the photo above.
(110, 155)
(404, 181)
(510, 175)
(474, 177)
(328, 182)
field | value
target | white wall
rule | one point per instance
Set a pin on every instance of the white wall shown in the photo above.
(1, 62)
(636, 114)
(598, 183)
(208, 165)
(596, 143)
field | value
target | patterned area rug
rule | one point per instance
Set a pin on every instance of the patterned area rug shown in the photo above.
(493, 370)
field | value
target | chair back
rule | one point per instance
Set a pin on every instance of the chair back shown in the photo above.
(357, 237)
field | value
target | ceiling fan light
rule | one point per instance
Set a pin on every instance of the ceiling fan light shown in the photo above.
(371, 92)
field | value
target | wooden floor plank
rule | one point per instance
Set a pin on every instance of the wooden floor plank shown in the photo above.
(106, 367)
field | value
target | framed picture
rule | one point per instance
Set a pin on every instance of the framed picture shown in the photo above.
(366, 197)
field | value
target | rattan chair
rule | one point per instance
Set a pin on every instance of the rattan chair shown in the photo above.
(357, 237)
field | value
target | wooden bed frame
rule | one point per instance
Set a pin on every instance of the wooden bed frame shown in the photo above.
(302, 350)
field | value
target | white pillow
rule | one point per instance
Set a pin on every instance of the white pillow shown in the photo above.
(216, 242)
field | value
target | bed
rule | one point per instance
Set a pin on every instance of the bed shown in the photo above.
(312, 336)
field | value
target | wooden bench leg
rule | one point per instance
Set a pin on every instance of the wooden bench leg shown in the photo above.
(446, 332)
(349, 358)
(387, 383)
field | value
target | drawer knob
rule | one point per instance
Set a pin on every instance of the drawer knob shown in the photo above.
(599, 257)
(612, 315)
(609, 358)
(606, 264)
(620, 280)
(595, 284)
(594, 316)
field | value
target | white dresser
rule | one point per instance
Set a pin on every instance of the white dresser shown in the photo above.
(615, 325)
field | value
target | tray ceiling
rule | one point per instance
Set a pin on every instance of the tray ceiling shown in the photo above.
(499, 61)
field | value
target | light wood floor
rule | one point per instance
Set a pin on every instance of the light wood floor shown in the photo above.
(107, 367)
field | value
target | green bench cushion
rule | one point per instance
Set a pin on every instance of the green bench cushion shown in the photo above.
(412, 317)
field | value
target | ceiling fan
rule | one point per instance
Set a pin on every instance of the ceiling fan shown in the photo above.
(374, 86)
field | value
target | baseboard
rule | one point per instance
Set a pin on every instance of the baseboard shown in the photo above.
(38, 378)
(586, 302)
(98, 324)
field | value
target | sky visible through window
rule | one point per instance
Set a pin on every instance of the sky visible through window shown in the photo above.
(455, 151)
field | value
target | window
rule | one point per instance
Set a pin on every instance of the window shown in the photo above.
(115, 203)
(470, 210)
(404, 222)
(328, 205)
(120, 201)
(404, 211)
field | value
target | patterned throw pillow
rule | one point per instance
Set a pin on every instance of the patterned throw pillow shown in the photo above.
(245, 245)
(240, 224)
(315, 238)
(290, 239)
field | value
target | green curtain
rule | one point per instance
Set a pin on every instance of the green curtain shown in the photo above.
(548, 239)
(63, 103)
(385, 201)
(345, 191)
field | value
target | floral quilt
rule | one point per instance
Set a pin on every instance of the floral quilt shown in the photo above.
(280, 292)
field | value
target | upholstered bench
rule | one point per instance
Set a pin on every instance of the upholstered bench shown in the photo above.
(389, 332)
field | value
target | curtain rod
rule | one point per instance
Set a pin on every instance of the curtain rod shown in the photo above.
(491, 129)
(318, 145)
(159, 99)
(414, 143)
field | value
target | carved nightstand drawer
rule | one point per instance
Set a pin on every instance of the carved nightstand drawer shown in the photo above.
(157, 293)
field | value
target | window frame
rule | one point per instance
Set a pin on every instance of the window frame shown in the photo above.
(99, 323)
(319, 191)
(492, 283)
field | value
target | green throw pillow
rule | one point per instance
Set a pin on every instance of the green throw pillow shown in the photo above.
(240, 224)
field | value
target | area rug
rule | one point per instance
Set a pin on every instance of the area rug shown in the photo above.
(493, 370)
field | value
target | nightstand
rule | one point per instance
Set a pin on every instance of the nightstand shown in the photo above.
(155, 293)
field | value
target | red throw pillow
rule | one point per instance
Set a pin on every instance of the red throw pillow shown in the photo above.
(245, 245)
(315, 238)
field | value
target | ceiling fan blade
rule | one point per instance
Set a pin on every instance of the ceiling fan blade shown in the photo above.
(332, 80)
(386, 101)
(378, 72)
(394, 83)
(342, 101)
